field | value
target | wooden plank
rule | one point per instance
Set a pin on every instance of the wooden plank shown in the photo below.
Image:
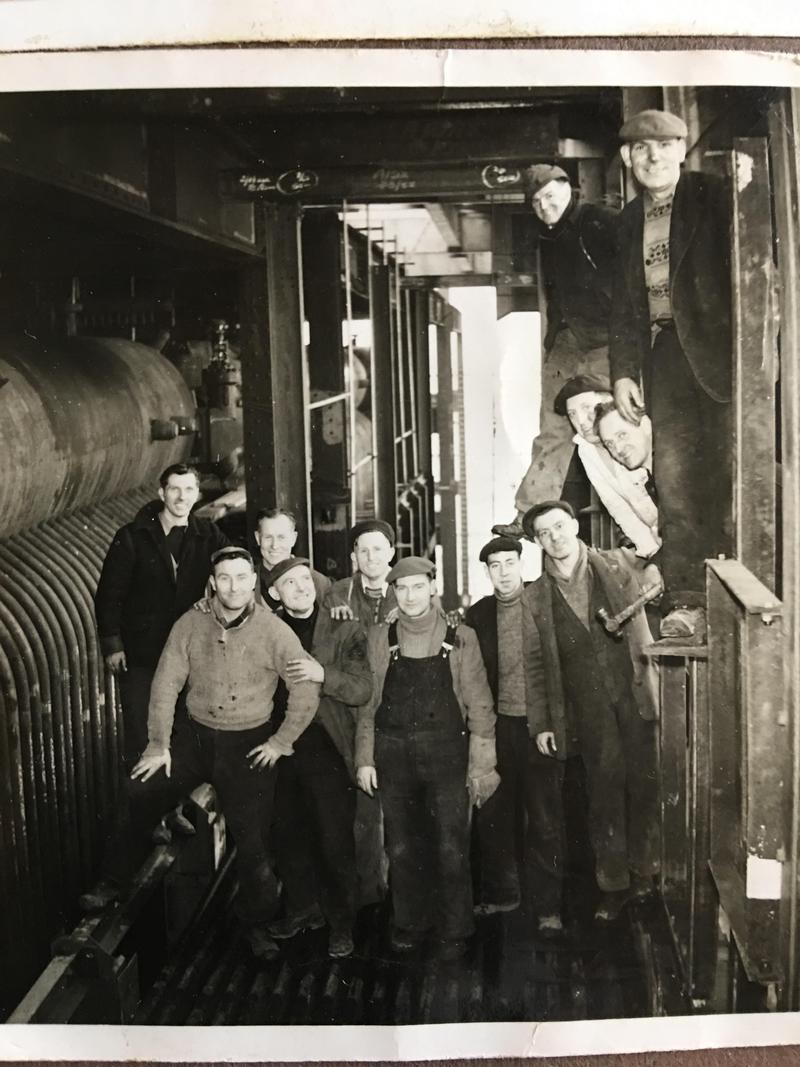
(749, 593)
(784, 128)
(272, 375)
(386, 497)
(673, 806)
(755, 360)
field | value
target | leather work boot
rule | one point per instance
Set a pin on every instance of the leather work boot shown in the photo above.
(180, 824)
(688, 624)
(611, 905)
(509, 529)
(340, 944)
(290, 925)
(494, 909)
(550, 926)
(261, 944)
(99, 898)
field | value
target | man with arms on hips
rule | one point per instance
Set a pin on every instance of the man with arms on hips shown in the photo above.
(670, 351)
(315, 800)
(367, 597)
(600, 697)
(276, 535)
(530, 783)
(230, 660)
(623, 490)
(578, 244)
(426, 741)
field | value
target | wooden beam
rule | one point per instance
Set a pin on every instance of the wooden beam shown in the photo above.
(755, 361)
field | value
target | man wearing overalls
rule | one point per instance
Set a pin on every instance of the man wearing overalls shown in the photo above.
(426, 741)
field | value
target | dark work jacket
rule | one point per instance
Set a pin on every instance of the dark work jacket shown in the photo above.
(617, 573)
(578, 256)
(139, 597)
(482, 617)
(340, 645)
(700, 285)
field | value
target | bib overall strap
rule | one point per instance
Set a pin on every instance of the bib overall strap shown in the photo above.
(449, 642)
(394, 644)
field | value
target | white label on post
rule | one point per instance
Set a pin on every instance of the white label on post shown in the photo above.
(763, 879)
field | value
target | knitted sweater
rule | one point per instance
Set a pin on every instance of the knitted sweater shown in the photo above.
(230, 676)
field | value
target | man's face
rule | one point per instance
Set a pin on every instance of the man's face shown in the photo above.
(180, 495)
(628, 444)
(275, 539)
(580, 412)
(556, 533)
(550, 202)
(505, 572)
(414, 594)
(372, 555)
(296, 590)
(656, 164)
(234, 581)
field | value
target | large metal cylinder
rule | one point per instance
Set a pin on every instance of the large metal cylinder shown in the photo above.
(75, 424)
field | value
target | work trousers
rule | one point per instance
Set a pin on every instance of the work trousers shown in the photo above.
(313, 834)
(692, 470)
(529, 794)
(618, 749)
(134, 692)
(201, 754)
(553, 446)
(426, 810)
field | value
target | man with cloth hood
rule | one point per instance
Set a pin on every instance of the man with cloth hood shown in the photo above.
(315, 800)
(426, 741)
(578, 244)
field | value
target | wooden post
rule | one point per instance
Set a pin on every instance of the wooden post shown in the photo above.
(386, 497)
(784, 129)
(754, 361)
(272, 373)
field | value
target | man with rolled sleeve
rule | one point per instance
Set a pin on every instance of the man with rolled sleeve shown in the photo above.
(670, 351)
(230, 660)
(426, 741)
(315, 798)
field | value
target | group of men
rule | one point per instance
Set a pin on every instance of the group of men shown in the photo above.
(300, 699)
(643, 297)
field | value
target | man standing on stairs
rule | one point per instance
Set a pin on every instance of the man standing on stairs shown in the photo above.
(426, 742)
(156, 567)
(578, 244)
(530, 787)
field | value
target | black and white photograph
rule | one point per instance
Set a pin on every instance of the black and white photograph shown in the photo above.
(399, 493)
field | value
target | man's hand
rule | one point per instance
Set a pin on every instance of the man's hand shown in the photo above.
(150, 765)
(391, 615)
(305, 670)
(546, 743)
(116, 662)
(481, 789)
(628, 398)
(341, 611)
(454, 618)
(367, 779)
(204, 605)
(266, 755)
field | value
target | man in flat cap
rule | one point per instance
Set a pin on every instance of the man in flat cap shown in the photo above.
(276, 535)
(671, 335)
(367, 596)
(426, 742)
(599, 696)
(315, 799)
(229, 660)
(578, 244)
(622, 490)
(530, 783)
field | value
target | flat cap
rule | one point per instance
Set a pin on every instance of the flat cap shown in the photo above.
(532, 514)
(583, 383)
(500, 544)
(368, 526)
(285, 565)
(409, 566)
(539, 174)
(652, 124)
